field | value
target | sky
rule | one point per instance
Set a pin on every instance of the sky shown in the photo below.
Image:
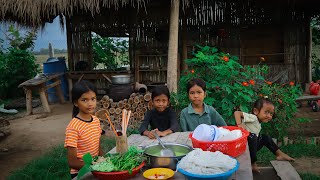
(51, 34)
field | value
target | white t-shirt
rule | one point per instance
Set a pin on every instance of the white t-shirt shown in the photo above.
(251, 123)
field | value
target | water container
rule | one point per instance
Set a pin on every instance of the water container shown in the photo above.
(55, 65)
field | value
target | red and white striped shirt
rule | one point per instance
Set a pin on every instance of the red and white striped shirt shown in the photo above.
(85, 136)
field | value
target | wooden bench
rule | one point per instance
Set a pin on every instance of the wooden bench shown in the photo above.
(39, 84)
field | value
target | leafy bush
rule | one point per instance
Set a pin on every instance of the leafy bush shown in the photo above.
(231, 86)
(17, 64)
(111, 52)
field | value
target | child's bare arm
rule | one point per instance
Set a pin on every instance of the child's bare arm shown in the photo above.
(73, 161)
(238, 115)
(165, 132)
(101, 153)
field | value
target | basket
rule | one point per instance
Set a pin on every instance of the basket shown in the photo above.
(222, 176)
(119, 175)
(232, 148)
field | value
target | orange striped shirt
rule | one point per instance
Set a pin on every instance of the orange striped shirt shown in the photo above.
(85, 136)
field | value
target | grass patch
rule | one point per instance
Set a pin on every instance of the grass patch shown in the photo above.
(307, 176)
(52, 165)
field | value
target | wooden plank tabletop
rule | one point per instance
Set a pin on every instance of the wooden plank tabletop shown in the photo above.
(36, 82)
(243, 173)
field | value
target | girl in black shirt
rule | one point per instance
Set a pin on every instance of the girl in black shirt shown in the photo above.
(161, 118)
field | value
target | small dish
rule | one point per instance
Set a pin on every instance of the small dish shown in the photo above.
(158, 173)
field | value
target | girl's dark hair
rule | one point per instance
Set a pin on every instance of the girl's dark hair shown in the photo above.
(196, 81)
(78, 89)
(159, 91)
(258, 104)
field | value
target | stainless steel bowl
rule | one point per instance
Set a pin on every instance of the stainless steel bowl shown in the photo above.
(121, 79)
(155, 160)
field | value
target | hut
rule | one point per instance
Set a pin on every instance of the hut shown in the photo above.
(163, 33)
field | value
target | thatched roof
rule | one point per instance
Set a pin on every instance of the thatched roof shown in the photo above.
(36, 12)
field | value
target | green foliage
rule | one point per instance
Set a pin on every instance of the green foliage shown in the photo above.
(111, 52)
(230, 86)
(17, 64)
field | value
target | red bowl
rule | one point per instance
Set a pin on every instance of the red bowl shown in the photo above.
(119, 175)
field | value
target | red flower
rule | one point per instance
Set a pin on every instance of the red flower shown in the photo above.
(192, 71)
(225, 58)
(251, 82)
(280, 101)
(261, 95)
(291, 83)
(245, 84)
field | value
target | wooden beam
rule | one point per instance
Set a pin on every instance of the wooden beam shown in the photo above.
(172, 74)
(309, 49)
(53, 84)
(285, 170)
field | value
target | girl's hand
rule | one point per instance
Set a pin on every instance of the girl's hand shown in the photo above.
(151, 135)
(161, 133)
(241, 126)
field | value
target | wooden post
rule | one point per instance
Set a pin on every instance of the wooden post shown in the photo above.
(309, 49)
(69, 45)
(184, 65)
(28, 101)
(172, 75)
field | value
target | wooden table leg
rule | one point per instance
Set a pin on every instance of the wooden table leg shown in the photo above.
(59, 91)
(70, 85)
(28, 101)
(44, 101)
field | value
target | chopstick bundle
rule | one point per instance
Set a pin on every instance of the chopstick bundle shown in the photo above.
(125, 121)
(114, 130)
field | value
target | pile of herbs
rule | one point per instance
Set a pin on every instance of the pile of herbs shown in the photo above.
(113, 162)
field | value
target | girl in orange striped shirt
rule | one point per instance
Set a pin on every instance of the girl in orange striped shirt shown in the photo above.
(83, 132)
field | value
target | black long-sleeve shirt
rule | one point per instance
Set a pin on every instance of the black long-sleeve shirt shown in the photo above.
(161, 120)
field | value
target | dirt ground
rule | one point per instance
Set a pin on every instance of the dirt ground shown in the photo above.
(31, 136)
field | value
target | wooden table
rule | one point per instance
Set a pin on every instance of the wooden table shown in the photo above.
(39, 84)
(243, 173)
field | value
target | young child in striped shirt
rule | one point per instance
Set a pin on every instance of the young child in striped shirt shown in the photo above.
(83, 132)
(263, 111)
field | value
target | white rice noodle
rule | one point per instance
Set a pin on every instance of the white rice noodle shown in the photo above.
(206, 162)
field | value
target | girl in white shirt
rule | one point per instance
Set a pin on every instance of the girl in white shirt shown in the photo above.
(263, 111)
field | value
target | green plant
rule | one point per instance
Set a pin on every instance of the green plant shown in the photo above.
(17, 63)
(111, 52)
(231, 86)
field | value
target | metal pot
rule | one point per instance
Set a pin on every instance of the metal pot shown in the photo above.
(121, 79)
(155, 160)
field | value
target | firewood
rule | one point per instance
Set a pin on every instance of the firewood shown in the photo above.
(101, 114)
(144, 109)
(110, 100)
(105, 98)
(133, 95)
(140, 106)
(141, 101)
(125, 100)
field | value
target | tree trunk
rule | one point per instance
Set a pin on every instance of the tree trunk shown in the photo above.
(172, 75)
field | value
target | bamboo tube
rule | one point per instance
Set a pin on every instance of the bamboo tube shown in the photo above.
(120, 105)
(141, 114)
(141, 101)
(140, 106)
(127, 106)
(111, 118)
(113, 104)
(136, 99)
(144, 109)
(118, 111)
(105, 98)
(125, 100)
(133, 95)
(147, 97)
(141, 88)
(111, 100)
(150, 105)
(106, 105)
(141, 97)
(112, 110)
(134, 105)
(130, 100)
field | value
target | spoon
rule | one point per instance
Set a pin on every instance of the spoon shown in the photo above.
(165, 152)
